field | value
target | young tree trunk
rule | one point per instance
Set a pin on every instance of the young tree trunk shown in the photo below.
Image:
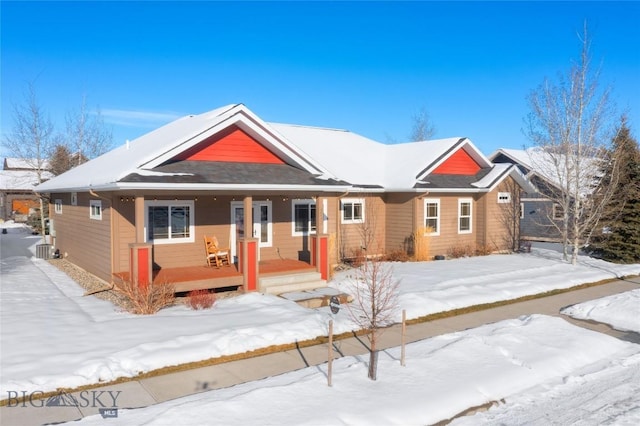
(373, 357)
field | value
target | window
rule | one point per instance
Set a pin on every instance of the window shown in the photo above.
(58, 206)
(464, 215)
(558, 211)
(504, 197)
(352, 210)
(169, 221)
(95, 209)
(432, 216)
(304, 217)
(74, 198)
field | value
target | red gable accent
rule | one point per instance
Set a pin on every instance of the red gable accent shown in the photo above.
(232, 146)
(460, 163)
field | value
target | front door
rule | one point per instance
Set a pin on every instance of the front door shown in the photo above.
(262, 226)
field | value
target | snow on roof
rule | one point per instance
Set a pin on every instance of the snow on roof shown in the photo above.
(363, 161)
(20, 180)
(332, 153)
(11, 163)
(107, 169)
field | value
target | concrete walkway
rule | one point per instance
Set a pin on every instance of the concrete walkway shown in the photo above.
(144, 392)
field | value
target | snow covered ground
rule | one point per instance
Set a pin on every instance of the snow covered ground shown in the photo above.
(578, 375)
(620, 311)
(54, 337)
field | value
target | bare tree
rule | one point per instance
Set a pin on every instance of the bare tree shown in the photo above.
(87, 137)
(375, 302)
(510, 213)
(568, 125)
(373, 288)
(423, 128)
(31, 138)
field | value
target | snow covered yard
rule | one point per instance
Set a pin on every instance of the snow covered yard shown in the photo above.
(541, 359)
(54, 337)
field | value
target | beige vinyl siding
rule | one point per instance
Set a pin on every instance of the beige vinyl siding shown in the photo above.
(449, 237)
(496, 231)
(124, 231)
(351, 235)
(400, 221)
(83, 241)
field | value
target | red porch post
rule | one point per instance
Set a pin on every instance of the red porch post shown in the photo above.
(140, 253)
(140, 267)
(248, 263)
(320, 242)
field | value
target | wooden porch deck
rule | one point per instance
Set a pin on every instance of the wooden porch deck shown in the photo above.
(200, 277)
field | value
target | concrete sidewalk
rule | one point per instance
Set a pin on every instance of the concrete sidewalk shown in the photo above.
(144, 392)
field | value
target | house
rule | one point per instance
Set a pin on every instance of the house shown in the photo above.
(282, 197)
(18, 177)
(541, 218)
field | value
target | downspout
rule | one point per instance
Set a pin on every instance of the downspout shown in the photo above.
(339, 226)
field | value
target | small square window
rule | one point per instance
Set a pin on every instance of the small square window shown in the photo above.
(58, 206)
(352, 210)
(95, 209)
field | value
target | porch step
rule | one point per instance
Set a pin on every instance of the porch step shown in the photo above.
(278, 284)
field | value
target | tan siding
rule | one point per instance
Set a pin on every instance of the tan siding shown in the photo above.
(124, 231)
(497, 233)
(83, 241)
(400, 221)
(449, 237)
(351, 235)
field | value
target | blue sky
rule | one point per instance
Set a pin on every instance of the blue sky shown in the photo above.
(363, 66)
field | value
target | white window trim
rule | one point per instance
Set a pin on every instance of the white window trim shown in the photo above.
(294, 203)
(351, 201)
(507, 197)
(254, 205)
(269, 205)
(57, 206)
(74, 198)
(521, 210)
(462, 201)
(557, 209)
(169, 203)
(92, 204)
(424, 221)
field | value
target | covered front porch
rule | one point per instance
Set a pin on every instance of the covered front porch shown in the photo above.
(204, 277)
(277, 238)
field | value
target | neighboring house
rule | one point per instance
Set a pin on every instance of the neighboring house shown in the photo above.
(316, 195)
(541, 218)
(18, 177)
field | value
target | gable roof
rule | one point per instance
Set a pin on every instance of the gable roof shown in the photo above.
(11, 163)
(369, 164)
(191, 153)
(146, 154)
(20, 180)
